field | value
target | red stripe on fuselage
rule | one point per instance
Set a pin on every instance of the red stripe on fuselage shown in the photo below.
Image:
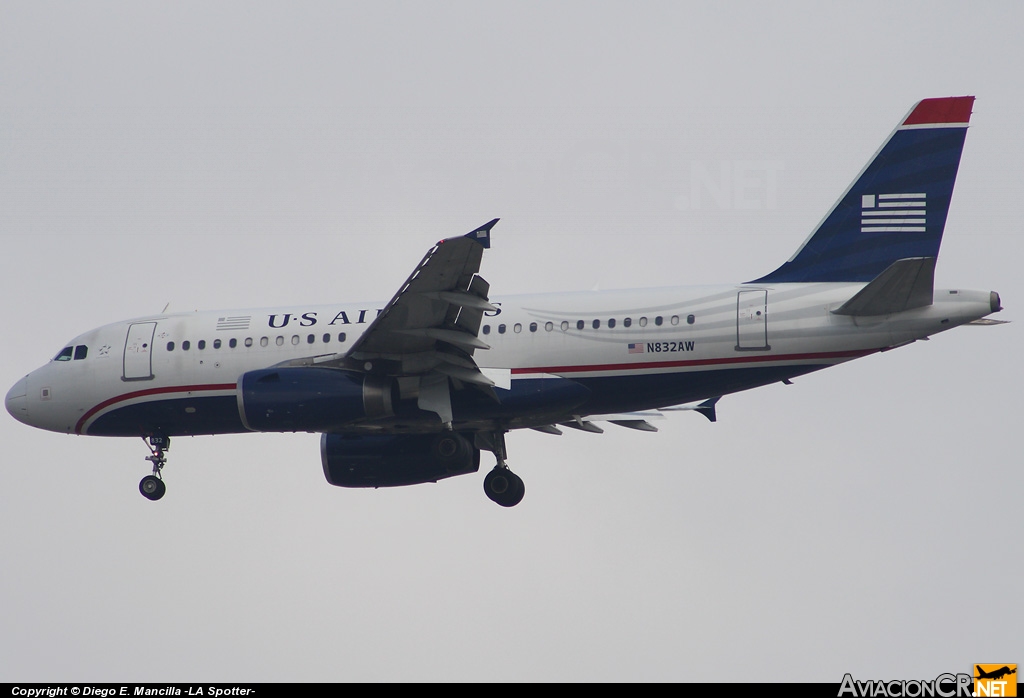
(633, 366)
(146, 393)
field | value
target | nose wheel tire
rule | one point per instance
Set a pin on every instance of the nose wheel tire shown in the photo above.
(504, 487)
(152, 487)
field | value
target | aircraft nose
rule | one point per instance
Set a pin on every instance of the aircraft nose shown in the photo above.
(17, 400)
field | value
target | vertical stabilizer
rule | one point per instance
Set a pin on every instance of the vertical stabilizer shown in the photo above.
(896, 208)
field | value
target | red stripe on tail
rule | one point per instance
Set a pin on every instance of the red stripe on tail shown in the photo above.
(945, 110)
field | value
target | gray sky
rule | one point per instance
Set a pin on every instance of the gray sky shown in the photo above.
(243, 154)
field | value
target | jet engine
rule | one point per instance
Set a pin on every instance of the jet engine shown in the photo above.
(397, 459)
(311, 399)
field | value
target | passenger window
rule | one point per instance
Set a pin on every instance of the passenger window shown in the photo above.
(690, 319)
(580, 324)
(501, 329)
(264, 341)
(611, 323)
(216, 344)
(170, 346)
(657, 321)
(327, 339)
(341, 336)
(643, 322)
(487, 329)
(64, 355)
(201, 344)
(186, 345)
(80, 352)
(232, 342)
(548, 326)
(310, 339)
(280, 341)
(564, 325)
(248, 341)
(597, 324)
(295, 339)
(626, 322)
(517, 328)
(675, 320)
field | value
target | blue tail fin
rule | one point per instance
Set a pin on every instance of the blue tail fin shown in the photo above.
(896, 208)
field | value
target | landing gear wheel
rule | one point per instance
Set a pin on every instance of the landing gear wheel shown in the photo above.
(152, 487)
(504, 487)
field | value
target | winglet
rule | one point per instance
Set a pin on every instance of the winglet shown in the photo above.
(707, 408)
(483, 234)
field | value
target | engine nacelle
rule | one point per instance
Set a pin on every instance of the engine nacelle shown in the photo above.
(395, 460)
(311, 399)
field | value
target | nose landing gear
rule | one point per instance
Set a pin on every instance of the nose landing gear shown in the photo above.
(152, 486)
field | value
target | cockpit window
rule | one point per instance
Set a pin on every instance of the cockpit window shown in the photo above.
(64, 355)
(81, 351)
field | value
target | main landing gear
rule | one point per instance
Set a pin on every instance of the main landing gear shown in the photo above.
(501, 485)
(152, 486)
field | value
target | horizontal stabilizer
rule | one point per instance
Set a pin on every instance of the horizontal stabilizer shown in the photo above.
(906, 284)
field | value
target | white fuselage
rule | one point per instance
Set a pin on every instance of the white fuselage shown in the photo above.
(634, 349)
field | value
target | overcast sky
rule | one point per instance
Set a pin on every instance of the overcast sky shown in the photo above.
(865, 519)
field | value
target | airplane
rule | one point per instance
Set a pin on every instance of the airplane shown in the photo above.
(995, 674)
(412, 390)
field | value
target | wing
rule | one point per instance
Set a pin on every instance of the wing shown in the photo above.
(640, 421)
(427, 333)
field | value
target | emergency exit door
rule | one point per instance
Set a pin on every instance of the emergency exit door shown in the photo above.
(752, 320)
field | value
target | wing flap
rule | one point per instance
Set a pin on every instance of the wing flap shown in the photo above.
(430, 306)
(428, 331)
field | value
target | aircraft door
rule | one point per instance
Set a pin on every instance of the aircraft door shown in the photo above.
(138, 352)
(752, 320)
